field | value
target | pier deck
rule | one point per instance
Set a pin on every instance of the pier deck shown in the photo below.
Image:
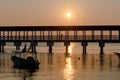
(66, 34)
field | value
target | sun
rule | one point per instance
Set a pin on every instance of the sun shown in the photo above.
(68, 14)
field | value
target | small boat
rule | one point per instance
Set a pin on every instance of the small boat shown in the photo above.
(24, 62)
(117, 53)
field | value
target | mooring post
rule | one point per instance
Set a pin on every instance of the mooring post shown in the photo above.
(101, 45)
(84, 44)
(50, 44)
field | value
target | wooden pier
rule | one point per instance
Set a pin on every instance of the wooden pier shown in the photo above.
(66, 34)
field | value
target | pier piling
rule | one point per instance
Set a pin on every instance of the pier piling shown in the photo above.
(17, 44)
(66, 44)
(101, 45)
(50, 44)
(33, 45)
(3, 48)
(2, 44)
(84, 44)
(0, 47)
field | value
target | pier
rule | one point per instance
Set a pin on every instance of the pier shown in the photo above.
(65, 34)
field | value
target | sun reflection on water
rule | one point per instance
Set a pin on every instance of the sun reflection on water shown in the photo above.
(70, 49)
(68, 71)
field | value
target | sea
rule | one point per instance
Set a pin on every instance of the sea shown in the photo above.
(61, 66)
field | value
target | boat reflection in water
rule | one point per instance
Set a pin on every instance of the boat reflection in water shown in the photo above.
(24, 74)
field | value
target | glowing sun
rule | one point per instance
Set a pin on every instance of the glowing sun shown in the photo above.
(68, 14)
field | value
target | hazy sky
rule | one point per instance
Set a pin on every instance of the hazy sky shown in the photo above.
(52, 12)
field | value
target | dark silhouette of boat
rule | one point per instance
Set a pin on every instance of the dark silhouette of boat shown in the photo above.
(24, 62)
(118, 54)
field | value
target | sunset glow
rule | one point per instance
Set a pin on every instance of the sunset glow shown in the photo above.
(57, 12)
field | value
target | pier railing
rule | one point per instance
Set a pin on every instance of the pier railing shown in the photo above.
(59, 38)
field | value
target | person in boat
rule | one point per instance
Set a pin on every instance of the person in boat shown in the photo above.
(18, 51)
(29, 48)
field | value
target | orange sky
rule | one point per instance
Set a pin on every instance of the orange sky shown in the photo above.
(53, 12)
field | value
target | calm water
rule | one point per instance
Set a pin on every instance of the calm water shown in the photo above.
(58, 66)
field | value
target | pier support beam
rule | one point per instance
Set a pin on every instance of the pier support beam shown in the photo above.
(2, 44)
(0, 41)
(66, 44)
(101, 45)
(33, 45)
(50, 49)
(17, 47)
(50, 44)
(3, 48)
(84, 44)
(0, 47)
(17, 44)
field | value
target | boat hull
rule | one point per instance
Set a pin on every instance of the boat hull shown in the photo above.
(22, 63)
